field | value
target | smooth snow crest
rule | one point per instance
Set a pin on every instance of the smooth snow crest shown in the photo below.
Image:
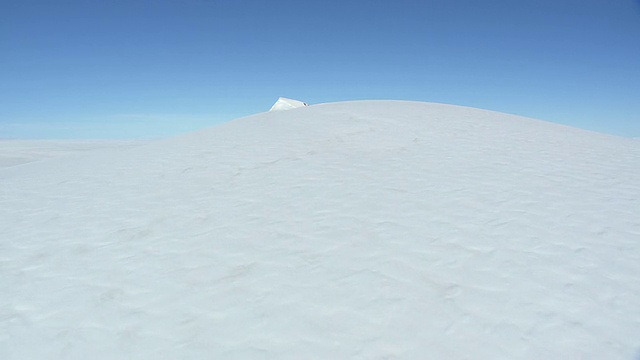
(356, 230)
(287, 104)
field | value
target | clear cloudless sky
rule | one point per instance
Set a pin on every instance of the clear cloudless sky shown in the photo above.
(156, 68)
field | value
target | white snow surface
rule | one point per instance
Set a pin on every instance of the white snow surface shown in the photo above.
(16, 152)
(287, 104)
(355, 230)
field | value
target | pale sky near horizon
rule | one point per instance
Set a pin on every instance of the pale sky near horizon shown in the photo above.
(143, 68)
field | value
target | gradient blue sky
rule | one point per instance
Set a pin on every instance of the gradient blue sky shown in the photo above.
(143, 68)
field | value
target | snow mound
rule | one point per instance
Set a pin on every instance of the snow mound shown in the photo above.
(287, 104)
(361, 230)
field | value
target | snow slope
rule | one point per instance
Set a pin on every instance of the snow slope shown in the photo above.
(361, 230)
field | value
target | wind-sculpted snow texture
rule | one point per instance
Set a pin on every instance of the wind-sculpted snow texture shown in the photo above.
(357, 230)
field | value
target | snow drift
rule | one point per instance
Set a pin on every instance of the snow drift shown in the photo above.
(374, 229)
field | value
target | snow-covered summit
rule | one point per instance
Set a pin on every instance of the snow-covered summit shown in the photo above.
(287, 104)
(370, 229)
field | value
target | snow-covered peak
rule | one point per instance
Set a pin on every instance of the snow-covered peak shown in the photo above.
(287, 104)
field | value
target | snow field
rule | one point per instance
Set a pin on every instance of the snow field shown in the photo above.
(374, 229)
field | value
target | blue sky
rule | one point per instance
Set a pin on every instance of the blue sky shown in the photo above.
(156, 68)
